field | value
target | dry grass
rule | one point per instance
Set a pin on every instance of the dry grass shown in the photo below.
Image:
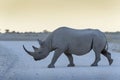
(114, 41)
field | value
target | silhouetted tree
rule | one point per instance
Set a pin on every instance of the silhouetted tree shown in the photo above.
(45, 31)
(7, 31)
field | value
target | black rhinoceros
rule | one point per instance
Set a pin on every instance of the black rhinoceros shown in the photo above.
(71, 41)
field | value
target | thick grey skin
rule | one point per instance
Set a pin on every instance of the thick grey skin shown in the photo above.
(71, 41)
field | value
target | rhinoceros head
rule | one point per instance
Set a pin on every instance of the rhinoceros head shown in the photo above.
(39, 53)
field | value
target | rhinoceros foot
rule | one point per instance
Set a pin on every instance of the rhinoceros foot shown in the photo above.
(93, 65)
(51, 66)
(110, 61)
(70, 65)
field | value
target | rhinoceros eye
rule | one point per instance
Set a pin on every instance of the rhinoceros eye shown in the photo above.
(40, 52)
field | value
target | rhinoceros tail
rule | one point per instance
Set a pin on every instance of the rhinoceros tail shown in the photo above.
(106, 48)
(92, 44)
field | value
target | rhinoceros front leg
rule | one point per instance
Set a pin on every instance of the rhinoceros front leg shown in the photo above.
(70, 58)
(57, 53)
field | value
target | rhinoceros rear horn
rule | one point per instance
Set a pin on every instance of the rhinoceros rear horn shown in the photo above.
(29, 52)
(35, 48)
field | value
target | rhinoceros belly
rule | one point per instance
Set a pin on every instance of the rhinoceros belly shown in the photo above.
(80, 50)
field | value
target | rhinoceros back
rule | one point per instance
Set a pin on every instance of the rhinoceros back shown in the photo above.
(75, 41)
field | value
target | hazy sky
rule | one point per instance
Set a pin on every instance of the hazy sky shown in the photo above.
(38, 15)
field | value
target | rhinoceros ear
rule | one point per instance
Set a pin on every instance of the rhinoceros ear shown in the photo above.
(41, 42)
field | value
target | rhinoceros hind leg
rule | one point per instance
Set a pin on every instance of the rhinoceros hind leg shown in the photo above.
(97, 59)
(108, 56)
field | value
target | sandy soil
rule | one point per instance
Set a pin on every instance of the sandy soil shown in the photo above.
(22, 66)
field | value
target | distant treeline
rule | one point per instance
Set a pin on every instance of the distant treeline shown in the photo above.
(27, 36)
(113, 32)
(32, 36)
(46, 31)
(11, 32)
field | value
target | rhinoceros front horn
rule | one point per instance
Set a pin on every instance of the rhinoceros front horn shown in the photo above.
(29, 52)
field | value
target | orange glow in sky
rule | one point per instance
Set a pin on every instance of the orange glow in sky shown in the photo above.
(38, 15)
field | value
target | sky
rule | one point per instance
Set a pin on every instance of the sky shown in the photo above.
(39, 15)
